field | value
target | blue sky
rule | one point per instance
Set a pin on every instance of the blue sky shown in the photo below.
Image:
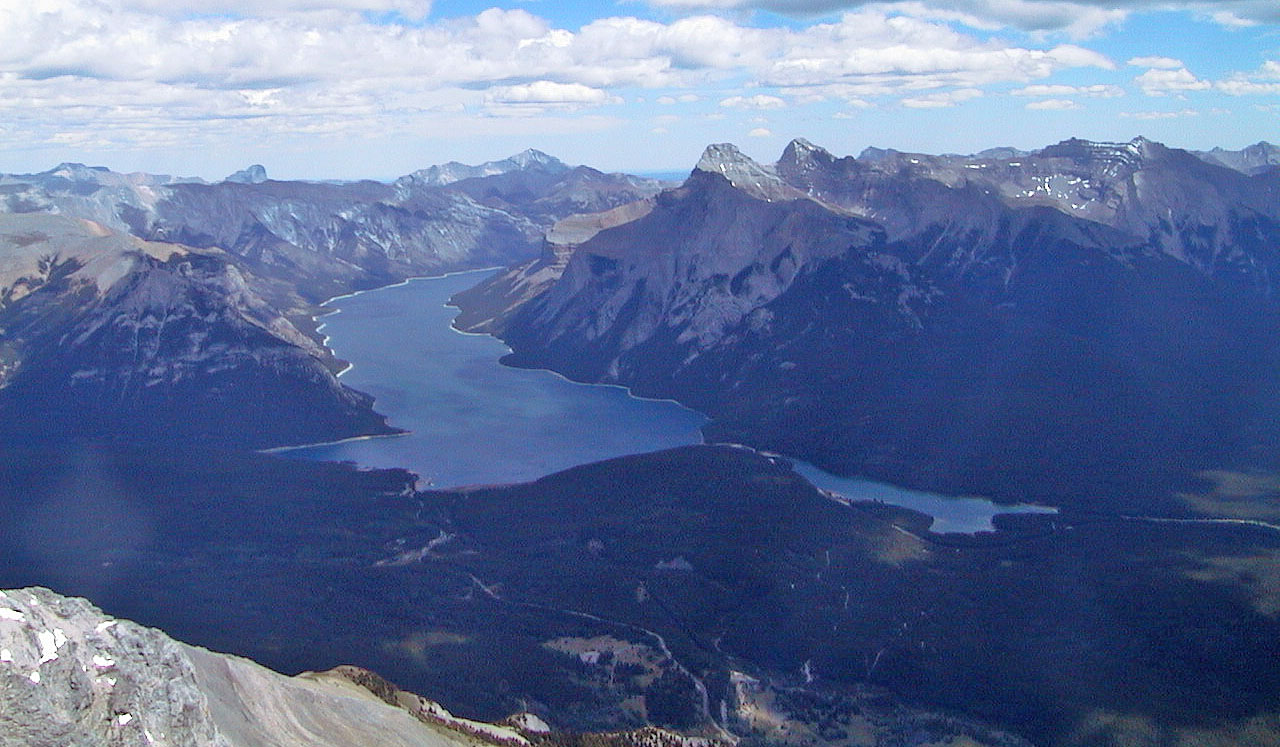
(377, 88)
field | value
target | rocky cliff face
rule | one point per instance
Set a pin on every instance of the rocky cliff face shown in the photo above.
(71, 676)
(487, 307)
(326, 238)
(105, 334)
(1018, 324)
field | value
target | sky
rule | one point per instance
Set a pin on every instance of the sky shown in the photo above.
(347, 89)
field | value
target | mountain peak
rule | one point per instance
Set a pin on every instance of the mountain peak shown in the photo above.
(532, 158)
(77, 171)
(1254, 159)
(448, 173)
(761, 182)
(1131, 154)
(255, 174)
(872, 154)
(1146, 148)
(801, 150)
(723, 158)
(800, 145)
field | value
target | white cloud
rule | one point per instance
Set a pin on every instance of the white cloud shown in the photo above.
(1078, 18)
(760, 132)
(1231, 20)
(1161, 115)
(942, 100)
(1264, 81)
(85, 39)
(873, 54)
(413, 9)
(549, 92)
(1159, 63)
(759, 101)
(1244, 87)
(1100, 91)
(1052, 105)
(1158, 82)
(140, 72)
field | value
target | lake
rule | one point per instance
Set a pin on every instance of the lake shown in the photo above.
(472, 420)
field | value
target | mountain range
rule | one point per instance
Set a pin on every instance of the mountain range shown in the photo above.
(139, 305)
(1089, 322)
(1089, 325)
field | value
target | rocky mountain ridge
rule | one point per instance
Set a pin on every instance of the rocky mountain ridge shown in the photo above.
(108, 335)
(71, 675)
(327, 237)
(221, 341)
(447, 173)
(1252, 160)
(1023, 325)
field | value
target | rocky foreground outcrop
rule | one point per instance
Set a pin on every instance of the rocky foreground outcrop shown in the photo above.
(71, 675)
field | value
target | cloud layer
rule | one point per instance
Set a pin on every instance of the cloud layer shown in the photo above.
(329, 67)
(132, 74)
(1076, 17)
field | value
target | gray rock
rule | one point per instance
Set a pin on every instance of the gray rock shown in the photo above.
(255, 174)
(71, 675)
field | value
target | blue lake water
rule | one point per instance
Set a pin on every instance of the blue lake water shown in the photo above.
(471, 419)
(475, 421)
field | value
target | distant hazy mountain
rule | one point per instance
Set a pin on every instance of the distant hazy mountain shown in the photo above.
(1080, 323)
(448, 173)
(255, 174)
(321, 239)
(535, 184)
(1255, 159)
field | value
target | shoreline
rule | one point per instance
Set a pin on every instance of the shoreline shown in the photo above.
(967, 515)
(353, 294)
(351, 365)
(336, 442)
(625, 388)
